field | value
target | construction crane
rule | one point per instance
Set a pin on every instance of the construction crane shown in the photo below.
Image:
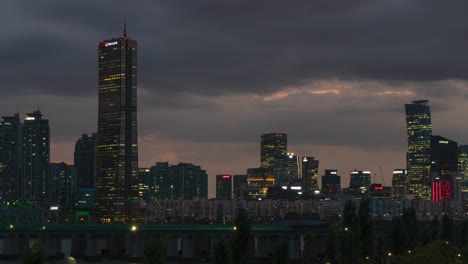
(381, 175)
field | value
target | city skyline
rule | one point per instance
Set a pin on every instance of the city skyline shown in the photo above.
(205, 98)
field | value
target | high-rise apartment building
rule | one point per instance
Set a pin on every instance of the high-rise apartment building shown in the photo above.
(62, 185)
(85, 161)
(331, 183)
(116, 189)
(11, 131)
(36, 157)
(419, 132)
(183, 180)
(271, 146)
(310, 174)
(224, 186)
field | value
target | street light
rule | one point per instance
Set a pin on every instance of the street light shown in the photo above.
(133, 228)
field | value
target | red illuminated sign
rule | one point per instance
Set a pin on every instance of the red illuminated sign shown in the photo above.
(378, 188)
(226, 176)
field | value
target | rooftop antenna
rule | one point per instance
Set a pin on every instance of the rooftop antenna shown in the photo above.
(125, 29)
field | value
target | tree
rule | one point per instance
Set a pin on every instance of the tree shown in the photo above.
(366, 226)
(464, 233)
(411, 225)
(399, 236)
(435, 225)
(155, 252)
(447, 228)
(281, 254)
(331, 251)
(221, 252)
(34, 254)
(309, 248)
(241, 239)
(350, 246)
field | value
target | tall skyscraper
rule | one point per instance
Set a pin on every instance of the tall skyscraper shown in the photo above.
(224, 186)
(116, 197)
(419, 132)
(331, 183)
(285, 169)
(36, 157)
(11, 131)
(271, 146)
(444, 155)
(85, 161)
(310, 174)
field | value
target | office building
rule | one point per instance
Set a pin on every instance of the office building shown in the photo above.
(463, 161)
(224, 187)
(331, 183)
(35, 159)
(239, 186)
(184, 180)
(360, 182)
(419, 132)
(62, 185)
(85, 161)
(310, 174)
(285, 169)
(271, 146)
(258, 181)
(399, 183)
(11, 131)
(444, 155)
(116, 188)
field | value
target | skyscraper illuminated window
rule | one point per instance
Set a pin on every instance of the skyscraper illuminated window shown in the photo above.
(419, 132)
(116, 198)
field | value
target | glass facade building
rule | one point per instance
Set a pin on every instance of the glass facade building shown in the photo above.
(331, 183)
(271, 146)
(116, 188)
(85, 161)
(359, 182)
(224, 186)
(463, 161)
(419, 132)
(310, 174)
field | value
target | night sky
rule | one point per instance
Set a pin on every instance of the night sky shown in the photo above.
(214, 75)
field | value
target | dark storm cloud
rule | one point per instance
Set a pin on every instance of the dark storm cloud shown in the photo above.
(230, 47)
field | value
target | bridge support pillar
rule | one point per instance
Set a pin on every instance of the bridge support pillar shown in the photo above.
(53, 246)
(263, 247)
(294, 247)
(9, 245)
(66, 244)
(76, 246)
(138, 245)
(187, 246)
(172, 247)
(128, 245)
(91, 249)
(115, 246)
